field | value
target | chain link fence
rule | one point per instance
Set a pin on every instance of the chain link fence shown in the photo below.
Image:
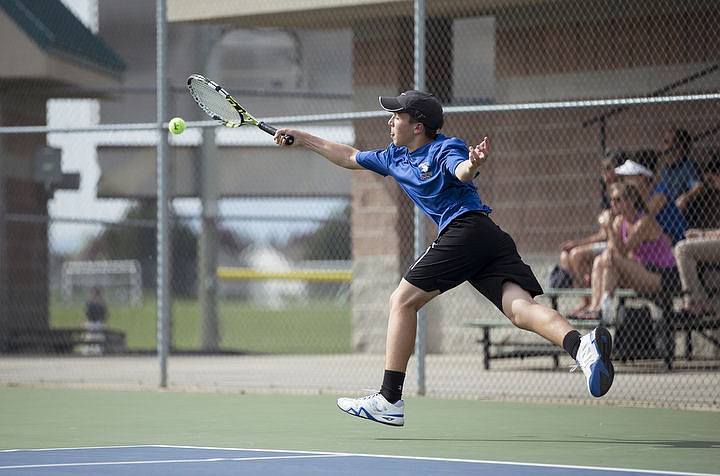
(282, 264)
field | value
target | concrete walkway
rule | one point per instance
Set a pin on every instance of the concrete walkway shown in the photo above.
(447, 376)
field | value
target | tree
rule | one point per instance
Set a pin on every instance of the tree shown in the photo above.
(136, 238)
(332, 240)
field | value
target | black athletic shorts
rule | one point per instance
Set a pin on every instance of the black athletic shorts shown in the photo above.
(473, 248)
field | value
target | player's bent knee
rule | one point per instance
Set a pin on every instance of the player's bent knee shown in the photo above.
(400, 299)
(408, 296)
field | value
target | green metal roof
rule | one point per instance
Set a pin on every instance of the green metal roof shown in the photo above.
(55, 29)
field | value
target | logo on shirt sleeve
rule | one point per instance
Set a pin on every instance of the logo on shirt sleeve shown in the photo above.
(425, 171)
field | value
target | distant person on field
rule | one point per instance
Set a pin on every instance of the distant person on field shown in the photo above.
(95, 308)
(95, 322)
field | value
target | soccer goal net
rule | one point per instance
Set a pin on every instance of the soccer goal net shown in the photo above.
(120, 280)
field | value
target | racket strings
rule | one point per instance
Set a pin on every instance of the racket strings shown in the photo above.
(214, 102)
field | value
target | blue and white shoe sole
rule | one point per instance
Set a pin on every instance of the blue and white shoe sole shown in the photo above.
(397, 419)
(602, 371)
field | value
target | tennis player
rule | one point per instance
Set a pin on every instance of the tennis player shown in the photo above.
(436, 172)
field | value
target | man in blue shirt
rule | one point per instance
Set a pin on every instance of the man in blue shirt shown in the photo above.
(436, 172)
(679, 173)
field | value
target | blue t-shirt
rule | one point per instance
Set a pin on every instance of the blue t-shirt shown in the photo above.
(670, 218)
(680, 177)
(427, 176)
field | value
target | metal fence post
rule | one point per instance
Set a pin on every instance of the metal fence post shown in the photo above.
(418, 217)
(163, 256)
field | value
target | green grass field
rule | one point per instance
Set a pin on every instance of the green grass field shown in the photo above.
(310, 327)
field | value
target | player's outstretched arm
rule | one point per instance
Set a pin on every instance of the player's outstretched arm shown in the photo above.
(339, 154)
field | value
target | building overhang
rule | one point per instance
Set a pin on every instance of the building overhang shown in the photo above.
(34, 56)
(321, 13)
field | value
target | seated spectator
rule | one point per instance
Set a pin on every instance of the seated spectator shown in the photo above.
(702, 246)
(638, 254)
(699, 246)
(703, 212)
(576, 256)
(679, 171)
(639, 171)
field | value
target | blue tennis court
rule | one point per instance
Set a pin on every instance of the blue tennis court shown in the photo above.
(158, 460)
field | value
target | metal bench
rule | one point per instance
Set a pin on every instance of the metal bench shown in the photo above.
(671, 323)
(512, 349)
(64, 340)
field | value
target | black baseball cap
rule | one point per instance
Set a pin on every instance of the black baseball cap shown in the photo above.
(422, 106)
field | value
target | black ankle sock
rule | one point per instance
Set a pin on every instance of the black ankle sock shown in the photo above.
(392, 385)
(571, 343)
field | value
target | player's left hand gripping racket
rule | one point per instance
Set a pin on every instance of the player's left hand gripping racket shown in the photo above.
(221, 106)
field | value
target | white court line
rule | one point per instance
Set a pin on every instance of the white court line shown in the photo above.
(459, 460)
(73, 448)
(314, 454)
(165, 461)
(18, 450)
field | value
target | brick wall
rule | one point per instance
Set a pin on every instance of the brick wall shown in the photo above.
(542, 179)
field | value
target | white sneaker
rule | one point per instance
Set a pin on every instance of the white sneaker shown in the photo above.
(593, 358)
(374, 407)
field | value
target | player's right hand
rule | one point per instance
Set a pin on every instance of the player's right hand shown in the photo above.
(280, 135)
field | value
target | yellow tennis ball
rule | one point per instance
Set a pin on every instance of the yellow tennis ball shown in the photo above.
(176, 125)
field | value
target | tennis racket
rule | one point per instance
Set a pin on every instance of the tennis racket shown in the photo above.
(221, 106)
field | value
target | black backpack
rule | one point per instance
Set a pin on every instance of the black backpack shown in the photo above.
(559, 278)
(635, 335)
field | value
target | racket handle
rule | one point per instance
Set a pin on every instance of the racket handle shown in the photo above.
(271, 130)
